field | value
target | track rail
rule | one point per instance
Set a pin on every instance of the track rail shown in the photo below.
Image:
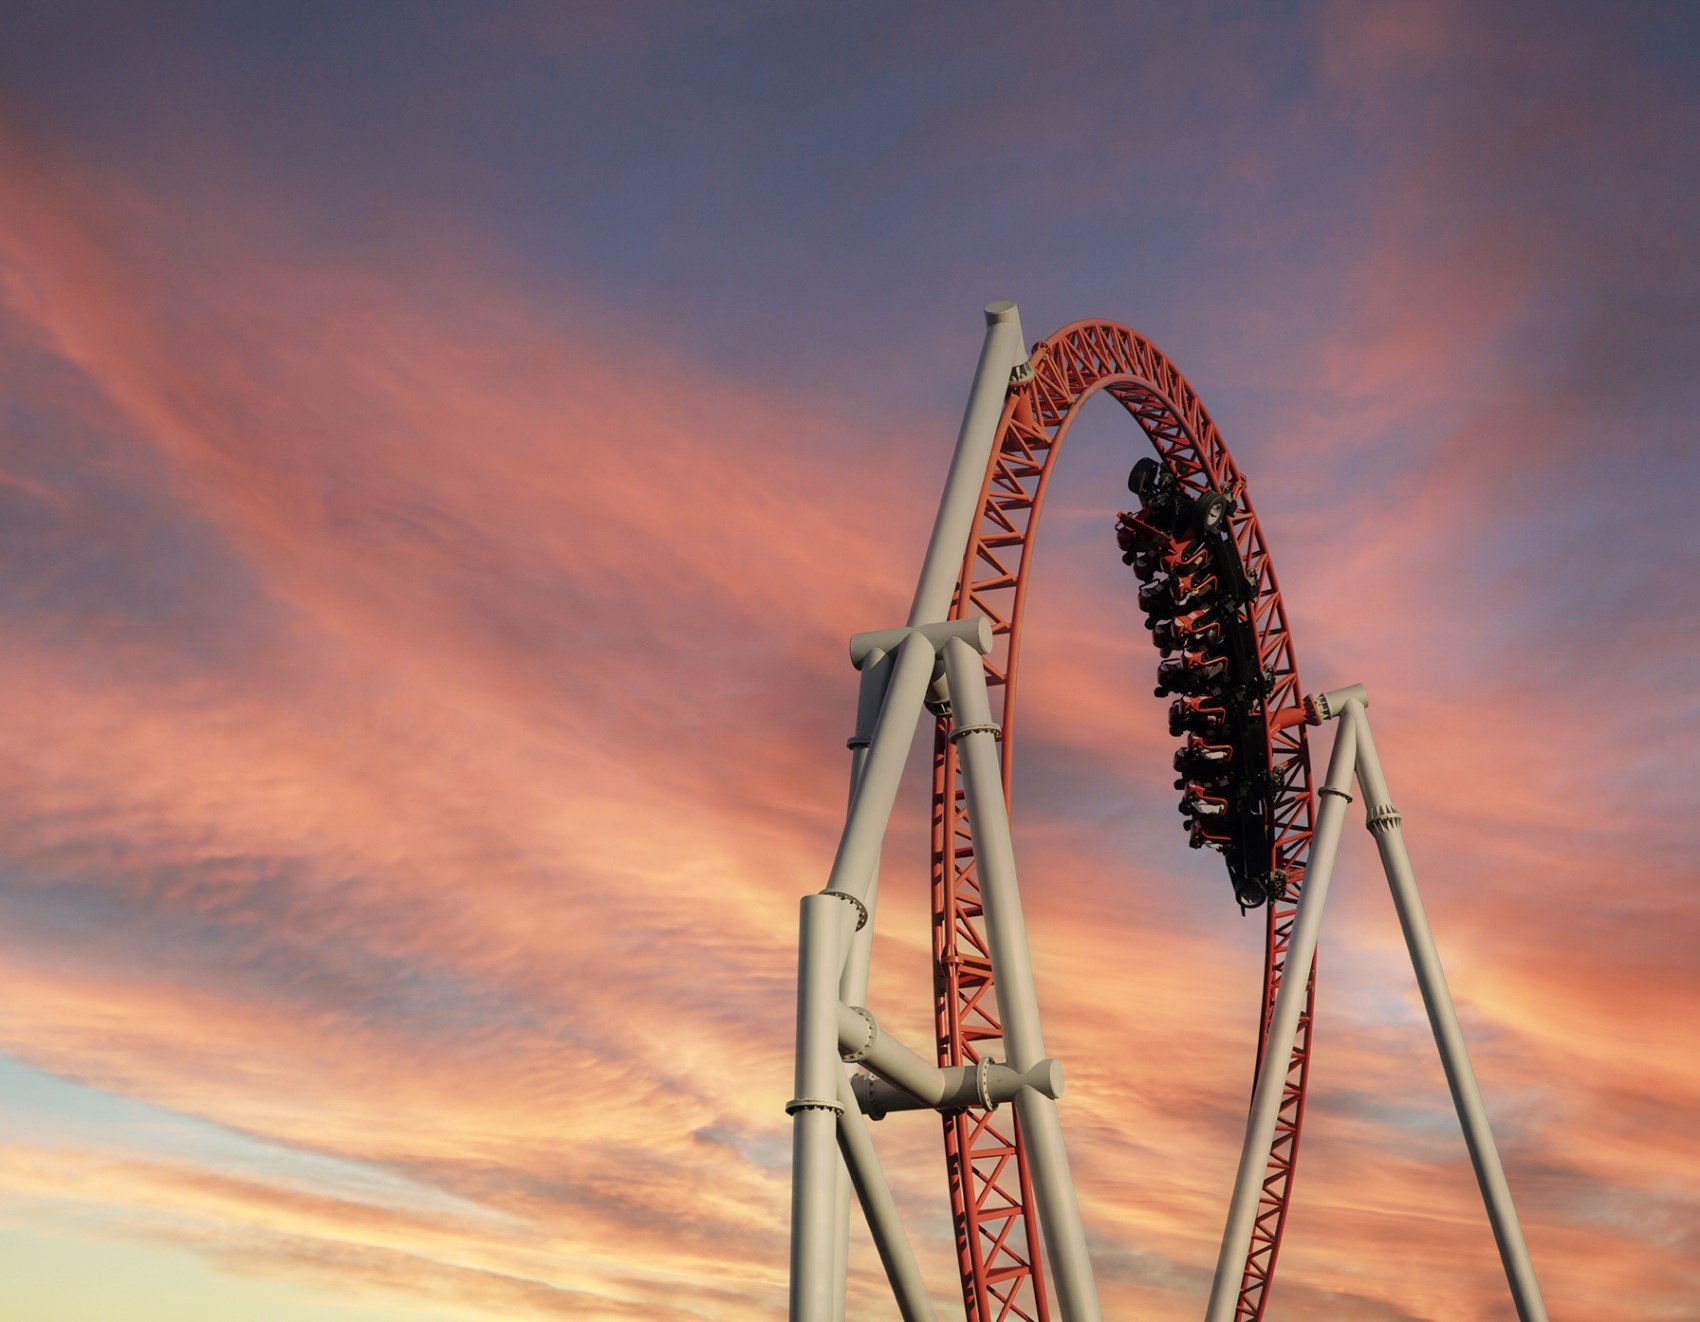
(997, 1235)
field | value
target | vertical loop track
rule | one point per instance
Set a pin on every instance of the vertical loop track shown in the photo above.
(997, 1238)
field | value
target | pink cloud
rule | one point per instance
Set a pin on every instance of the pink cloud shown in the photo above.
(484, 873)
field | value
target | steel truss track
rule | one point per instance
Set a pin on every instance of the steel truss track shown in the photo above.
(997, 1237)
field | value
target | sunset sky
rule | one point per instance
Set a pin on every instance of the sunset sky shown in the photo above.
(444, 449)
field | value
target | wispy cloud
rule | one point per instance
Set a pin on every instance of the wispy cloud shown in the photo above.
(426, 689)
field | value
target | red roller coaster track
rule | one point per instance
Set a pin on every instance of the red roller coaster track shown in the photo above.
(997, 1237)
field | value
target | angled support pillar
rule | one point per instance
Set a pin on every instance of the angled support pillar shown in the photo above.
(1000, 354)
(1354, 754)
(899, 667)
(975, 737)
(875, 670)
(1283, 1029)
(863, 1169)
(828, 958)
(1384, 825)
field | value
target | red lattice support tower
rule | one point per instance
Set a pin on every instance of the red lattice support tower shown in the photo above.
(997, 1236)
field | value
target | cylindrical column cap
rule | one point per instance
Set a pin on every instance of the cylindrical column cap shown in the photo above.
(976, 631)
(1320, 707)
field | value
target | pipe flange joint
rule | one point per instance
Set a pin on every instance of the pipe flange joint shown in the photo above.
(797, 1104)
(856, 741)
(983, 1083)
(1384, 818)
(1320, 707)
(862, 1085)
(1338, 794)
(963, 731)
(861, 909)
(857, 1055)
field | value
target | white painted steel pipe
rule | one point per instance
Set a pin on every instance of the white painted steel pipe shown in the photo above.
(815, 1107)
(870, 812)
(1384, 825)
(976, 748)
(870, 697)
(976, 631)
(861, 1041)
(1325, 706)
(862, 1163)
(875, 667)
(1018, 1002)
(1283, 1029)
(1001, 351)
(813, 1161)
(987, 1085)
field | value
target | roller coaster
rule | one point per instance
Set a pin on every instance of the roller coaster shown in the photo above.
(1213, 608)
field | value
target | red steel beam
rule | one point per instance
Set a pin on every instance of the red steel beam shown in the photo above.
(997, 1235)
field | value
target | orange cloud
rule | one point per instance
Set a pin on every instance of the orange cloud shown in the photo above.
(475, 860)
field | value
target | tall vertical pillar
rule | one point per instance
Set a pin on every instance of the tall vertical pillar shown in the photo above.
(816, 1107)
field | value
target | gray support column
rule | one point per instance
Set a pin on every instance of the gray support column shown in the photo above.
(876, 677)
(876, 791)
(863, 1166)
(1443, 1019)
(1283, 1028)
(853, 983)
(1018, 1003)
(816, 1107)
(999, 354)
